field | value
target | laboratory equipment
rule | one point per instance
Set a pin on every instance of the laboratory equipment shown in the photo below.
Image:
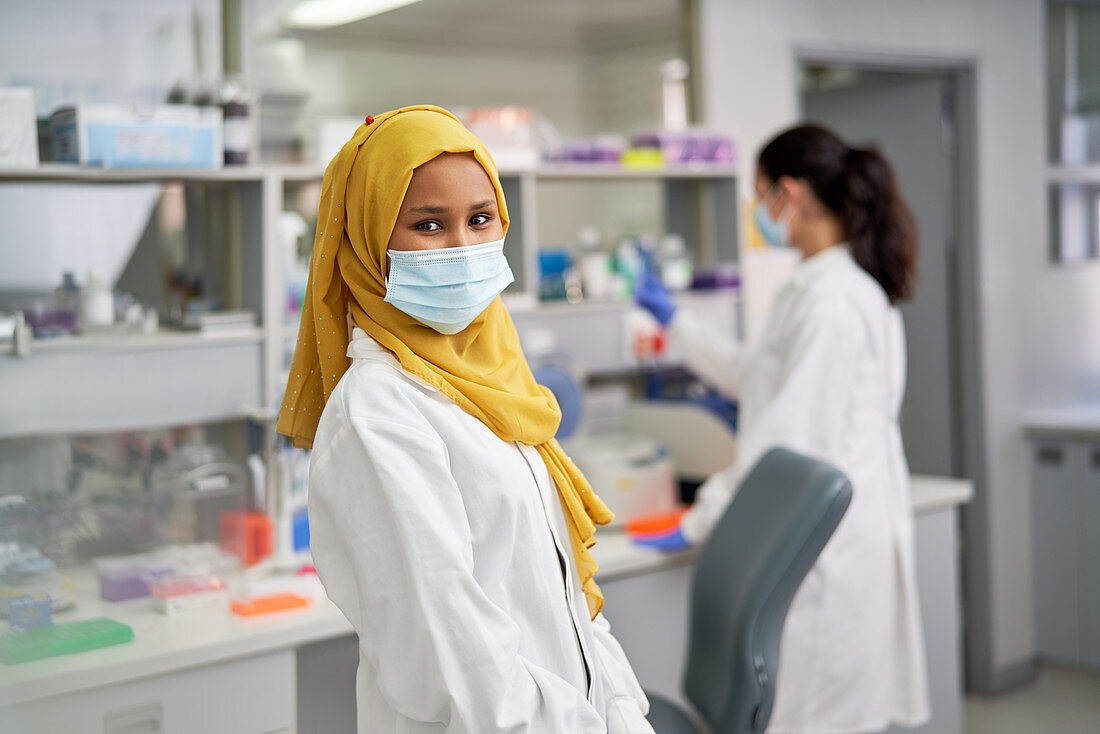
(25, 571)
(18, 562)
(267, 604)
(629, 264)
(28, 612)
(292, 227)
(189, 593)
(675, 264)
(97, 303)
(199, 483)
(128, 577)
(599, 149)
(133, 576)
(594, 266)
(236, 123)
(726, 276)
(18, 129)
(563, 382)
(291, 511)
(691, 146)
(61, 316)
(555, 266)
(634, 475)
(62, 639)
(185, 136)
(515, 136)
(248, 535)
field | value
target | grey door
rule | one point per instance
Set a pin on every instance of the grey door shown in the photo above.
(904, 116)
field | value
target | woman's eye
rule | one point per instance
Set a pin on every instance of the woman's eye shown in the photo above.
(479, 219)
(428, 226)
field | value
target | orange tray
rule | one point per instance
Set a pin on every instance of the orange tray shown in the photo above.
(655, 524)
(267, 604)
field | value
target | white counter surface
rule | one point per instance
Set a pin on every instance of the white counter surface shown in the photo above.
(1074, 423)
(932, 494)
(165, 644)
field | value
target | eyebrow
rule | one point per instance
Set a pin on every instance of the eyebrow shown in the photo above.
(435, 209)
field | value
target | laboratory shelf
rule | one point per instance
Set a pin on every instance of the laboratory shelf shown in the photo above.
(116, 383)
(616, 172)
(520, 305)
(63, 173)
(140, 341)
(299, 172)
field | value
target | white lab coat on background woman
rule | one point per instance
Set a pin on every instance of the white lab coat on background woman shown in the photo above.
(447, 550)
(827, 380)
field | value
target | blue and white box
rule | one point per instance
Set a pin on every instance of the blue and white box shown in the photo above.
(115, 136)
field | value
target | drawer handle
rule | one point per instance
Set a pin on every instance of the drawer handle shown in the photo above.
(145, 719)
(1051, 455)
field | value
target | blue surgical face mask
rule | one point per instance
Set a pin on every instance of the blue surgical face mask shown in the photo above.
(448, 288)
(776, 233)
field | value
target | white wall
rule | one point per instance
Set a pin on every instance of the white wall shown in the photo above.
(583, 88)
(91, 51)
(106, 50)
(356, 78)
(749, 53)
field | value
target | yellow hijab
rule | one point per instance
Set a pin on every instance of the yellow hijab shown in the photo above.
(481, 368)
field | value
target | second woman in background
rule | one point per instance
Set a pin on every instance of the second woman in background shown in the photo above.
(827, 380)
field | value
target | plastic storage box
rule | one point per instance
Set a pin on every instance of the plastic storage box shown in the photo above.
(182, 136)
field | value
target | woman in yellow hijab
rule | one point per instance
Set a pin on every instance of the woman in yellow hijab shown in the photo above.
(446, 522)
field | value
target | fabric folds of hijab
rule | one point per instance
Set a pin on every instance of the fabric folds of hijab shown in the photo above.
(481, 368)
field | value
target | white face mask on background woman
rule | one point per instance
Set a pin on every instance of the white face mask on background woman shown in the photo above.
(447, 288)
(776, 232)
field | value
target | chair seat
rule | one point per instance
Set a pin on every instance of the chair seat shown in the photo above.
(667, 718)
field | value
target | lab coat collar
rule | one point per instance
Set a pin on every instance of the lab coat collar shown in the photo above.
(362, 346)
(827, 260)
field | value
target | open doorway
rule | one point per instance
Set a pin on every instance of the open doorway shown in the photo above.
(920, 118)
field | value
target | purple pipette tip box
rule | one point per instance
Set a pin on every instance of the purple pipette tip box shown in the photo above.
(129, 583)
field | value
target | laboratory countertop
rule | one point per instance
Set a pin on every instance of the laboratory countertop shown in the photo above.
(1074, 423)
(164, 644)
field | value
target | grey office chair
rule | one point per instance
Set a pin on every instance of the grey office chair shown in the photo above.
(784, 512)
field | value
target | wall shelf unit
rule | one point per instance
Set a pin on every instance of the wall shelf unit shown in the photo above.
(115, 382)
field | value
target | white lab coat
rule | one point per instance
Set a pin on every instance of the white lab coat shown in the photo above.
(447, 550)
(827, 380)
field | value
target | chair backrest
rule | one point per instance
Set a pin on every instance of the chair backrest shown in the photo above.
(771, 534)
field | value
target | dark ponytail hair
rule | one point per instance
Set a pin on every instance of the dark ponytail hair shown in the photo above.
(858, 186)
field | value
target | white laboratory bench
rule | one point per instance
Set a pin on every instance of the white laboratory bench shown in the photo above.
(211, 671)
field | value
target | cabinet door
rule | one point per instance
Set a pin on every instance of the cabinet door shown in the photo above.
(252, 695)
(1088, 493)
(1055, 549)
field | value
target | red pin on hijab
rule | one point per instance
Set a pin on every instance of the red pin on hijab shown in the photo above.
(368, 119)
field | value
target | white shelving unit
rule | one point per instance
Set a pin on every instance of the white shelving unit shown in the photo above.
(122, 381)
(171, 378)
(699, 202)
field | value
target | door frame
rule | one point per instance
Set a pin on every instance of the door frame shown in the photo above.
(965, 337)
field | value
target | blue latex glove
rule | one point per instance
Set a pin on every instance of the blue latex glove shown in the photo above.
(669, 542)
(652, 295)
